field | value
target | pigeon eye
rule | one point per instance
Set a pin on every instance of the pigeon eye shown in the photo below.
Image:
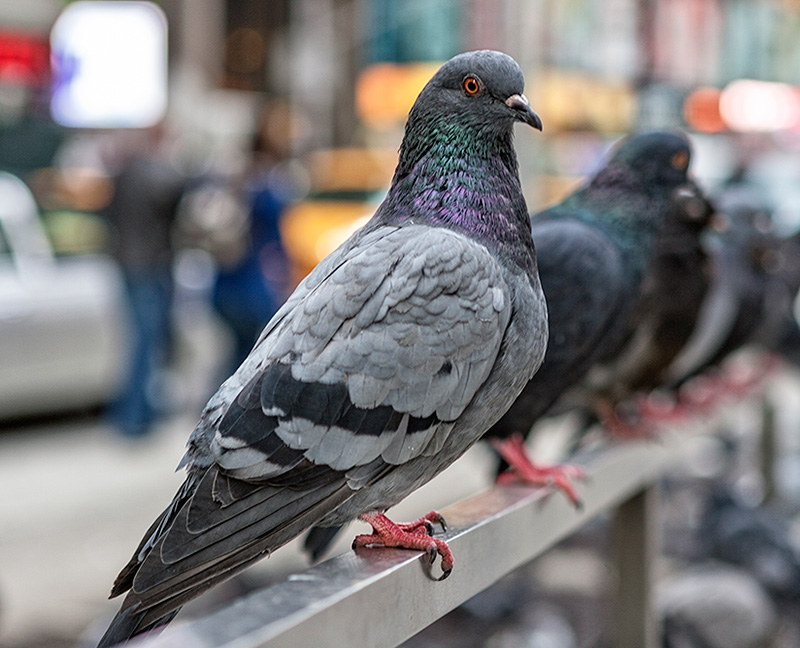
(471, 85)
(680, 160)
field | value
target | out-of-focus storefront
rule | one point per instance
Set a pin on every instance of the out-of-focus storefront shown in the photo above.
(346, 72)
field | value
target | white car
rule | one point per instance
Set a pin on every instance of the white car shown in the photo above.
(62, 320)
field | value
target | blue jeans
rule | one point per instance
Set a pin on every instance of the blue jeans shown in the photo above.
(149, 304)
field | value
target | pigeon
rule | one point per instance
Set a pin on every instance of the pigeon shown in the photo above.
(756, 538)
(708, 605)
(672, 295)
(755, 278)
(390, 359)
(593, 250)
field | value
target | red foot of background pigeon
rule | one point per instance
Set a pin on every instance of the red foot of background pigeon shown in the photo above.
(621, 425)
(523, 469)
(408, 535)
(659, 408)
(707, 391)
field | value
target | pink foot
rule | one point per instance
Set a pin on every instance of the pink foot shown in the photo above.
(707, 391)
(626, 427)
(702, 394)
(523, 469)
(410, 535)
(424, 525)
(659, 408)
(741, 378)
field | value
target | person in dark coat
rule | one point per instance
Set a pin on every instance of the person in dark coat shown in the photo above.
(147, 190)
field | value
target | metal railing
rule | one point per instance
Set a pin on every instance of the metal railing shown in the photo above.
(491, 534)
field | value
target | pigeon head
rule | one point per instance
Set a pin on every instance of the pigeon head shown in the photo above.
(457, 166)
(659, 159)
(468, 107)
(482, 89)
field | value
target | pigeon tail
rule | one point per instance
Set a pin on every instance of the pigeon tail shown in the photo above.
(128, 623)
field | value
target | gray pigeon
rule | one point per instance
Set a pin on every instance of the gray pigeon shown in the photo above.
(390, 359)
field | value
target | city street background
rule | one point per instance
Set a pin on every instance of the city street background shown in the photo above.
(170, 170)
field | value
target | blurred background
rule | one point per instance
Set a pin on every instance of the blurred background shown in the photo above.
(170, 170)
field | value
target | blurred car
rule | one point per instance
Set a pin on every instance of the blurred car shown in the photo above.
(62, 319)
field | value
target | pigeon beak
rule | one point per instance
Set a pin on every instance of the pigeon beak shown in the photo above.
(519, 104)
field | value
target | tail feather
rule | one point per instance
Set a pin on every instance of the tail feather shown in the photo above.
(124, 580)
(129, 623)
(191, 573)
(180, 553)
(180, 564)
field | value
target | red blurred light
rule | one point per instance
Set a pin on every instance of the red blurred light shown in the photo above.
(701, 110)
(24, 58)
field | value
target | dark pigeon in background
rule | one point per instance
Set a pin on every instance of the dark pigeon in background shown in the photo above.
(593, 250)
(389, 360)
(781, 333)
(673, 293)
(755, 279)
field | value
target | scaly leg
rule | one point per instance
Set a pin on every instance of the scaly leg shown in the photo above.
(411, 535)
(523, 469)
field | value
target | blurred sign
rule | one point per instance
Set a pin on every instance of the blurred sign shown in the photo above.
(24, 58)
(572, 100)
(110, 65)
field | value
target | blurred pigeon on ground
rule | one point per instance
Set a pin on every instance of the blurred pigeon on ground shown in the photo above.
(389, 360)
(593, 250)
(756, 538)
(710, 606)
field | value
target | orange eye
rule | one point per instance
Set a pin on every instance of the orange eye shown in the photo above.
(471, 85)
(680, 160)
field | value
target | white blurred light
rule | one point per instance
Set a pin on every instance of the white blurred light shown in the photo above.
(110, 65)
(759, 106)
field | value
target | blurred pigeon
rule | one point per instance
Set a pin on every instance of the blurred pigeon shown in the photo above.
(756, 538)
(710, 606)
(389, 360)
(593, 250)
(781, 332)
(755, 279)
(673, 293)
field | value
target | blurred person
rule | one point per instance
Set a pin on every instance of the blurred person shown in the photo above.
(249, 291)
(141, 214)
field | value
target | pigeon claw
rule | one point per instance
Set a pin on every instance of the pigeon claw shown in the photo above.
(424, 524)
(408, 535)
(522, 469)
